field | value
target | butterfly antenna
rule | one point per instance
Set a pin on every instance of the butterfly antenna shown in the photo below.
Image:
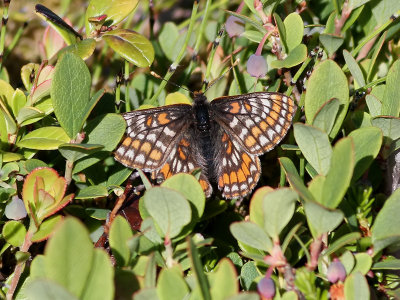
(170, 82)
(223, 74)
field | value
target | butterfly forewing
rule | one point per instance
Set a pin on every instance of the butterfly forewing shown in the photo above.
(257, 121)
(152, 135)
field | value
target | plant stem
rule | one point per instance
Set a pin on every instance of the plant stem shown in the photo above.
(178, 59)
(19, 268)
(126, 83)
(15, 40)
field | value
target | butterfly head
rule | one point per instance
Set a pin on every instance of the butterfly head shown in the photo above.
(199, 98)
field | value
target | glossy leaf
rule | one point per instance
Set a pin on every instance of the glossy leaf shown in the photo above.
(326, 82)
(356, 287)
(14, 233)
(131, 45)
(385, 229)
(45, 138)
(315, 146)
(169, 210)
(120, 233)
(251, 234)
(295, 57)
(390, 103)
(326, 115)
(294, 31)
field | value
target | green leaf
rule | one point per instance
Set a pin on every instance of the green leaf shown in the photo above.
(341, 242)
(131, 45)
(294, 179)
(385, 229)
(388, 264)
(248, 273)
(73, 152)
(250, 21)
(28, 113)
(378, 47)
(171, 41)
(169, 210)
(14, 233)
(356, 287)
(295, 57)
(197, 269)
(223, 281)
(326, 82)
(331, 42)
(315, 146)
(390, 101)
(71, 262)
(45, 138)
(46, 289)
(278, 207)
(363, 263)
(354, 68)
(70, 92)
(97, 213)
(115, 10)
(91, 192)
(367, 143)
(326, 115)
(171, 285)
(251, 234)
(374, 105)
(111, 126)
(120, 233)
(191, 189)
(84, 49)
(383, 10)
(340, 173)
(294, 30)
(356, 3)
(46, 228)
(256, 205)
(18, 101)
(320, 219)
(282, 31)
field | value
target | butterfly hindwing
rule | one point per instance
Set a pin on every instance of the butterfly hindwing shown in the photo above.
(237, 171)
(184, 158)
(151, 135)
(257, 121)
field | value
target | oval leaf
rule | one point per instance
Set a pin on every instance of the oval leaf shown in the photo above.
(131, 45)
(45, 138)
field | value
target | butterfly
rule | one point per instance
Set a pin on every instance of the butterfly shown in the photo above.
(223, 138)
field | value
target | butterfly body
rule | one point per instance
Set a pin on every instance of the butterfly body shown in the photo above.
(223, 137)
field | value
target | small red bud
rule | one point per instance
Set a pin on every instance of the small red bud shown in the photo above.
(266, 288)
(257, 66)
(234, 26)
(336, 271)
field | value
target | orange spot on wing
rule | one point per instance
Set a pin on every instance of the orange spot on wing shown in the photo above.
(229, 149)
(247, 106)
(246, 159)
(163, 118)
(166, 171)
(250, 141)
(136, 144)
(241, 177)
(245, 169)
(127, 142)
(146, 147)
(225, 137)
(274, 115)
(263, 125)
(226, 179)
(221, 181)
(233, 177)
(256, 131)
(235, 108)
(155, 155)
(270, 121)
(149, 121)
(204, 184)
(184, 143)
(181, 154)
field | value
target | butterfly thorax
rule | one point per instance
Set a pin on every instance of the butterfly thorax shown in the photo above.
(203, 124)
